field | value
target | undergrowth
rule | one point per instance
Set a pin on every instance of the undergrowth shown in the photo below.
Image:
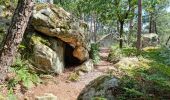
(22, 76)
(146, 83)
(94, 53)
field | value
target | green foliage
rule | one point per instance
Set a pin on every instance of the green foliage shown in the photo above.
(95, 52)
(23, 75)
(116, 53)
(147, 83)
(11, 95)
(38, 39)
(163, 25)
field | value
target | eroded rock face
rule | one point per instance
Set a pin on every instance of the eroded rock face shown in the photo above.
(54, 21)
(103, 87)
(47, 55)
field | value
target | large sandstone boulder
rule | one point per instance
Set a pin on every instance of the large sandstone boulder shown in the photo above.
(150, 39)
(102, 87)
(54, 21)
(47, 54)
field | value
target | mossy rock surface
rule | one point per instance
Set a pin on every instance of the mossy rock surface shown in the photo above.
(54, 21)
(100, 87)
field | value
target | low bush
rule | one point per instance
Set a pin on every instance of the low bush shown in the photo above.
(94, 53)
(116, 53)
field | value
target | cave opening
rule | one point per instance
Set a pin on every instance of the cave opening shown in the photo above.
(70, 60)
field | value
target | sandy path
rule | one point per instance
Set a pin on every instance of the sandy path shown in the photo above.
(65, 90)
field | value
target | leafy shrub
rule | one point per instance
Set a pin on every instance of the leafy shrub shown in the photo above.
(94, 53)
(116, 53)
(147, 83)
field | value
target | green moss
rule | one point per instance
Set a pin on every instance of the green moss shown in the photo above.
(40, 6)
(98, 81)
(37, 39)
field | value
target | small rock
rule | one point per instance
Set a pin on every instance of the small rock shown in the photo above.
(87, 66)
(80, 73)
(46, 96)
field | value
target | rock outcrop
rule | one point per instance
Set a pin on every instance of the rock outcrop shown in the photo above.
(102, 87)
(150, 39)
(54, 21)
(56, 39)
(47, 54)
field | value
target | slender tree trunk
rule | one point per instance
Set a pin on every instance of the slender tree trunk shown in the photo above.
(14, 36)
(152, 24)
(156, 31)
(95, 28)
(138, 46)
(118, 26)
(120, 34)
(130, 31)
(91, 28)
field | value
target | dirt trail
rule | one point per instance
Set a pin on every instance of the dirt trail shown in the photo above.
(65, 90)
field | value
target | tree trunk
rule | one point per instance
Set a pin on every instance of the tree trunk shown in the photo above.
(120, 35)
(130, 31)
(95, 28)
(118, 26)
(138, 45)
(14, 36)
(91, 26)
(151, 24)
(156, 31)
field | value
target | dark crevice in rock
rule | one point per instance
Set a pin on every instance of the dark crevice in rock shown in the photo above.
(70, 60)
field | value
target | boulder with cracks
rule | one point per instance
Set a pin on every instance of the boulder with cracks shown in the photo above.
(57, 39)
(54, 21)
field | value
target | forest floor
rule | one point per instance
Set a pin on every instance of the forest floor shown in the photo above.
(65, 89)
(141, 77)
